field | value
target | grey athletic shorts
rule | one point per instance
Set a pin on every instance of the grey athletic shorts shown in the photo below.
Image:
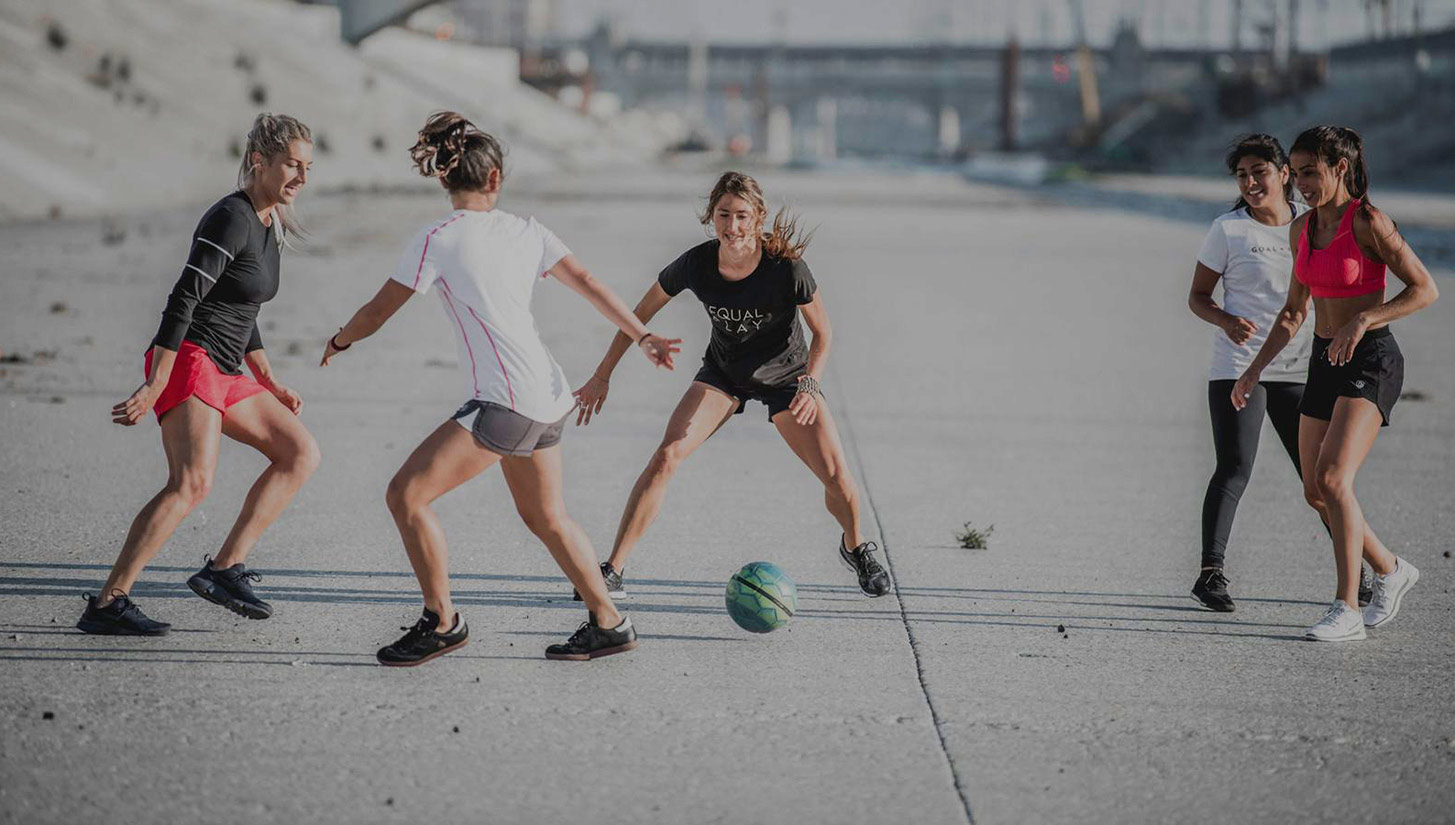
(505, 431)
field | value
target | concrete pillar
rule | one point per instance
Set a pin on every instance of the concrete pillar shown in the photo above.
(949, 130)
(828, 135)
(779, 148)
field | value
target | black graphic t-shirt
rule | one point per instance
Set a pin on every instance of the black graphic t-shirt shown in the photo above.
(757, 340)
(230, 272)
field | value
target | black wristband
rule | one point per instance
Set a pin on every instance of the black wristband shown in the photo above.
(333, 342)
(644, 337)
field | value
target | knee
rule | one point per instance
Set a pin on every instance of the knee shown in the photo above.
(1233, 473)
(666, 460)
(305, 457)
(399, 496)
(192, 487)
(545, 522)
(1314, 498)
(1333, 482)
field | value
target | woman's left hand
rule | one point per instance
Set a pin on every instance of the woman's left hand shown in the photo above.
(1346, 340)
(804, 408)
(290, 399)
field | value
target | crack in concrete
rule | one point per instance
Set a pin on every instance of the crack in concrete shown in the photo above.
(939, 725)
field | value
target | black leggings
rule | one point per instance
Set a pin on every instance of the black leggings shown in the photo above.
(1235, 437)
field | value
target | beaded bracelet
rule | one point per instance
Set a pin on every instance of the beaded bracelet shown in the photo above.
(809, 385)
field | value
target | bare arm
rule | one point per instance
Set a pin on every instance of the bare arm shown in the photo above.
(1290, 319)
(1378, 234)
(369, 318)
(592, 394)
(804, 407)
(1200, 301)
(647, 308)
(257, 361)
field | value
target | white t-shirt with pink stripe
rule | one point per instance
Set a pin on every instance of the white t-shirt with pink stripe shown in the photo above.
(486, 265)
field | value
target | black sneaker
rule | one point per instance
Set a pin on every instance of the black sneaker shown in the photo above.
(1211, 589)
(614, 587)
(120, 618)
(1366, 584)
(872, 578)
(230, 588)
(424, 641)
(591, 641)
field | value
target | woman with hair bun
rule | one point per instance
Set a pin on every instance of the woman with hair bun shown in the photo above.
(1343, 247)
(195, 387)
(753, 283)
(486, 263)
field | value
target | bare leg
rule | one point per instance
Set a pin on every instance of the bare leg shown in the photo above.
(1345, 443)
(263, 423)
(449, 457)
(1311, 440)
(191, 433)
(535, 483)
(818, 446)
(701, 412)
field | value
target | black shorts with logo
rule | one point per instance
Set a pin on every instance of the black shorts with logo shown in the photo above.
(778, 399)
(1376, 372)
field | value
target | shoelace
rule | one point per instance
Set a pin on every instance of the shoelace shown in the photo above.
(1331, 615)
(1216, 580)
(1377, 596)
(866, 551)
(417, 633)
(245, 574)
(579, 637)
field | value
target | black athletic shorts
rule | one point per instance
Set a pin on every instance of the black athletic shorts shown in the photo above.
(1376, 372)
(504, 431)
(777, 398)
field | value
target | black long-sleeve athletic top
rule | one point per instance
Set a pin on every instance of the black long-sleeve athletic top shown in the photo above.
(231, 271)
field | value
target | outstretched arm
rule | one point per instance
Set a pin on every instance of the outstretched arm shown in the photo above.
(367, 321)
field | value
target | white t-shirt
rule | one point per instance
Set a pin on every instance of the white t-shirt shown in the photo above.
(486, 265)
(1256, 265)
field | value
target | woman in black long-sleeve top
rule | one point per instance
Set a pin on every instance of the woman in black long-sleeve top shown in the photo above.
(195, 385)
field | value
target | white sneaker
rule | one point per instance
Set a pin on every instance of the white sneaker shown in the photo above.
(1341, 623)
(1389, 592)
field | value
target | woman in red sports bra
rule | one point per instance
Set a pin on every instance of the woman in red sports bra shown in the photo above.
(1343, 247)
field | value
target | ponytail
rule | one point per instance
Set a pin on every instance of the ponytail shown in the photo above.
(271, 136)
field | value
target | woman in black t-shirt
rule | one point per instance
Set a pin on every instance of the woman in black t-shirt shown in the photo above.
(753, 285)
(195, 386)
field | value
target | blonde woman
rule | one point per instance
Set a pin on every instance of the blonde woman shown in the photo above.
(195, 386)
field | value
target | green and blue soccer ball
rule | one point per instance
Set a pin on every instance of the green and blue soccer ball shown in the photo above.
(761, 598)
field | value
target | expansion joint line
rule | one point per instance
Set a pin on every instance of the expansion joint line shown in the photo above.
(851, 438)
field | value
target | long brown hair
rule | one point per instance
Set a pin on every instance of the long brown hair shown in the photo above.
(452, 149)
(1330, 144)
(785, 240)
(271, 136)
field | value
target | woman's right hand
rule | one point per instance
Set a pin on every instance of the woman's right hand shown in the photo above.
(590, 398)
(133, 409)
(1243, 387)
(1239, 330)
(659, 350)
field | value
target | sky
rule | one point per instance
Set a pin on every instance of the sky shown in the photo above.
(1162, 22)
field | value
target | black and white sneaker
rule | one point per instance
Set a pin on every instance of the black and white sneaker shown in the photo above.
(424, 642)
(872, 578)
(1211, 589)
(591, 641)
(230, 588)
(1366, 584)
(120, 618)
(614, 588)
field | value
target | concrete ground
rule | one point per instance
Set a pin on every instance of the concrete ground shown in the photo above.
(997, 359)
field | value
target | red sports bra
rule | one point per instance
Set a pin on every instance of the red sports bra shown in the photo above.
(1339, 270)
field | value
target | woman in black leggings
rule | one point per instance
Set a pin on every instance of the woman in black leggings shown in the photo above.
(1247, 251)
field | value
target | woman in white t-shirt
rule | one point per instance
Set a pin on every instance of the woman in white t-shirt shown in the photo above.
(1247, 251)
(486, 263)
